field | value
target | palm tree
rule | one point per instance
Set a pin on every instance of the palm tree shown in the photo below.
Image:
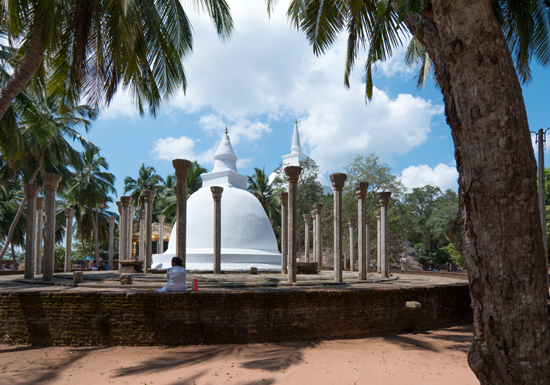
(91, 47)
(147, 179)
(477, 48)
(33, 138)
(89, 190)
(194, 180)
(11, 195)
(262, 189)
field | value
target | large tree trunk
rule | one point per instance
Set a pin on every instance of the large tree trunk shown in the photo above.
(26, 70)
(22, 206)
(497, 229)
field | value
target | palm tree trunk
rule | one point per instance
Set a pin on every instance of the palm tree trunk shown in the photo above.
(26, 70)
(21, 206)
(497, 230)
(13, 254)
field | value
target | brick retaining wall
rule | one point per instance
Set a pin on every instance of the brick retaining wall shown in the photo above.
(143, 318)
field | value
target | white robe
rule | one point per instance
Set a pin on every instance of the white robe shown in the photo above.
(176, 279)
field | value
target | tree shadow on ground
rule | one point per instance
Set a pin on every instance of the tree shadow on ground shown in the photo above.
(460, 335)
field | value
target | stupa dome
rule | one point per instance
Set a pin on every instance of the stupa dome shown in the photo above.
(247, 237)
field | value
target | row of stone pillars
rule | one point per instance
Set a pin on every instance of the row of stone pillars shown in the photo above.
(288, 229)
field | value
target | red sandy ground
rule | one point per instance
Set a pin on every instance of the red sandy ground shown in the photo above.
(427, 357)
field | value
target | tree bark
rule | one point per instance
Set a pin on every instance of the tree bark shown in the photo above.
(21, 207)
(26, 70)
(497, 229)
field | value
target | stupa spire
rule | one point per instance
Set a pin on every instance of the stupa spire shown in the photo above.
(225, 157)
(295, 148)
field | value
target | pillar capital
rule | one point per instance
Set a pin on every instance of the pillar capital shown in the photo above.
(111, 221)
(361, 189)
(307, 217)
(338, 179)
(32, 190)
(161, 218)
(182, 167)
(384, 198)
(318, 207)
(141, 214)
(69, 213)
(40, 203)
(378, 215)
(283, 197)
(313, 214)
(148, 195)
(216, 192)
(351, 222)
(293, 173)
(125, 201)
(119, 205)
(51, 181)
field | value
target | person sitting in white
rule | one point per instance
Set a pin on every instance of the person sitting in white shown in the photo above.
(175, 277)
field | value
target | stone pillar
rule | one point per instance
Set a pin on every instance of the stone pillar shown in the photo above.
(131, 210)
(149, 197)
(96, 236)
(141, 215)
(292, 176)
(69, 214)
(351, 223)
(123, 229)
(378, 245)
(182, 167)
(40, 204)
(319, 235)
(307, 219)
(51, 181)
(283, 197)
(120, 227)
(31, 191)
(160, 243)
(384, 198)
(367, 237)
(362, 243)
(111, 241)
(338, 179)
(217, 195)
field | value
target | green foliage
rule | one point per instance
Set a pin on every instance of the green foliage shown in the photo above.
(453, 253)
(147, 179)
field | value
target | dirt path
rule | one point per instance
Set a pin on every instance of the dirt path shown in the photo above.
(428, 357)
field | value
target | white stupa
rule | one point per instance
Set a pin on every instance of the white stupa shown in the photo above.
(296, 156)
(247, 238)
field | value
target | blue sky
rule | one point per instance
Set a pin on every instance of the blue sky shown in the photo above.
(266, 76)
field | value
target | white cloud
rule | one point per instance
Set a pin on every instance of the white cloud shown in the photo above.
(442, 176)
(121, 105)
(238, 129)
(243, 162)
(181, 148)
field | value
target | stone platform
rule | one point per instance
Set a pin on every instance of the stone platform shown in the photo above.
(228, 308)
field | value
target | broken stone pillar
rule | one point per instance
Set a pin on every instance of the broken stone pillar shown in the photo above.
(69, 215)
(338, 179)
(362, 243)
(31, 191)
(131, 210)
(384, 198)
(292, 175)
(111, 242)
(160, 243)
(351, 223)
(120, 227)
(149, 197)
(283, 197)
(367, 237)
(217, 195)
(378, 245)
(141, 215)
(40, 204)
(96, 235)
(182, 167)
(313, 240)
(78, 276)
(124, 253)
(51, 181)
(319, 235)
(307, 219)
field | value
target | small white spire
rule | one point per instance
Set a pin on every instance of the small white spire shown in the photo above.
(295, 148)
(225, 157)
